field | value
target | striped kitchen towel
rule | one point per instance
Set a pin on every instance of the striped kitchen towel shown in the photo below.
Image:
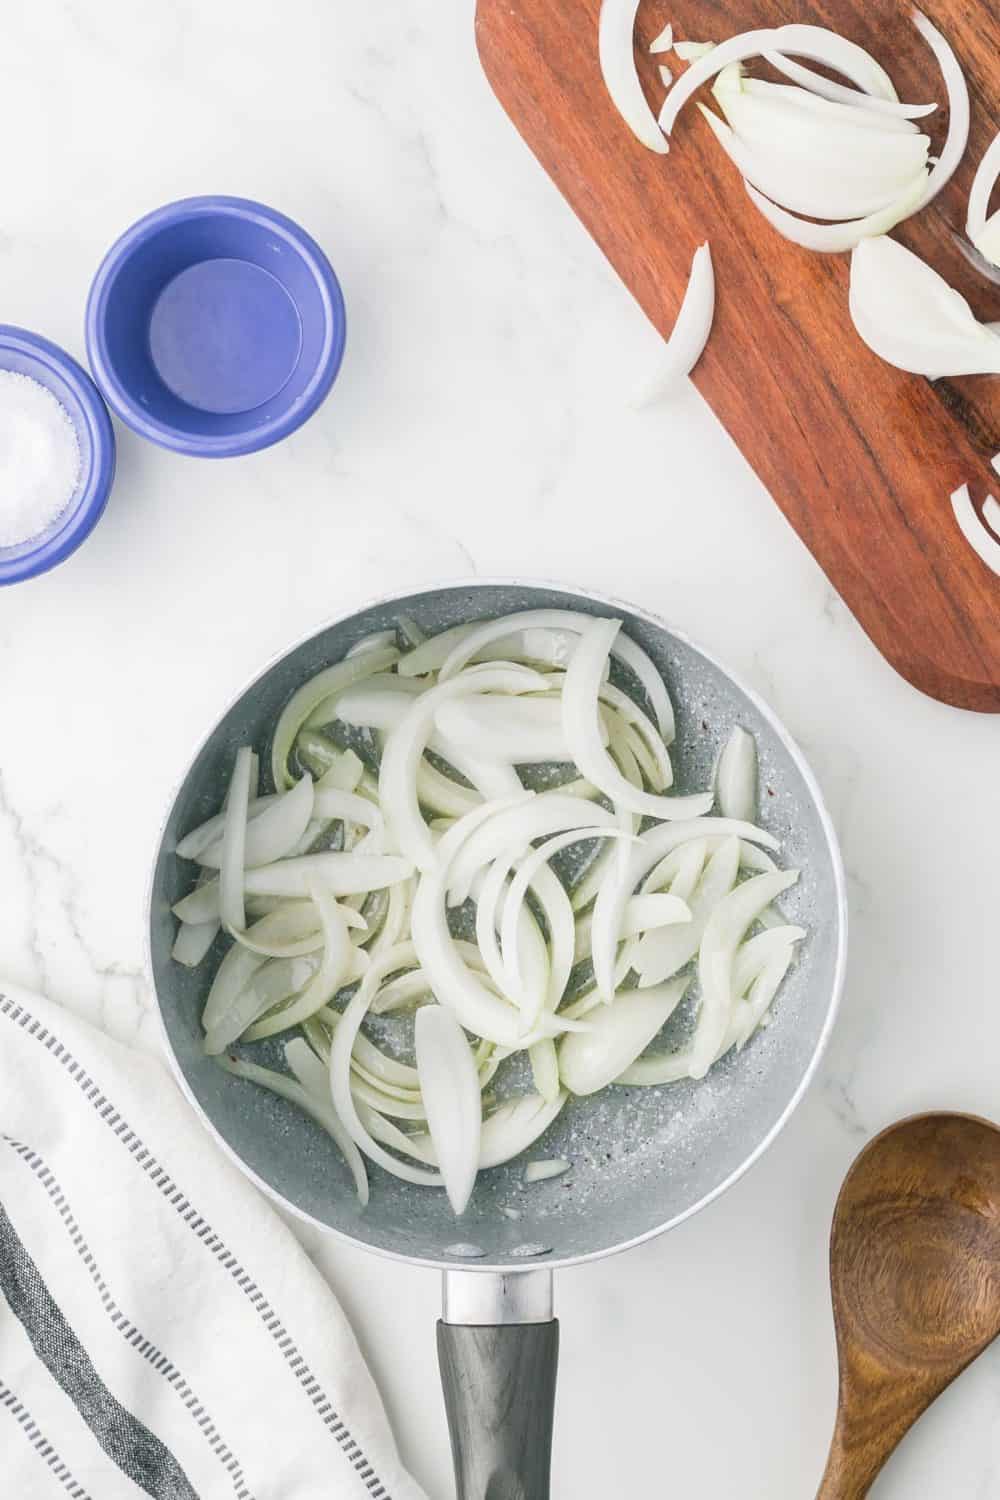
(161, 1331)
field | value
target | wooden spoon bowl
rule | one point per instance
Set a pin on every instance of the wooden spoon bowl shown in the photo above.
(915, 1276)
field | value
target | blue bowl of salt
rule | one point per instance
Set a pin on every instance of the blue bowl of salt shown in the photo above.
(57, 454)
(215, 326)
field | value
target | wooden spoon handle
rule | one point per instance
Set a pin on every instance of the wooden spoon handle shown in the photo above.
(858, 1452)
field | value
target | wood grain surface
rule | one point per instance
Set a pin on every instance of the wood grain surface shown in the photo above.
(860, 457)
(915, 1276)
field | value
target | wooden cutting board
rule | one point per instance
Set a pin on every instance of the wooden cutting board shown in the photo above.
(860, 457)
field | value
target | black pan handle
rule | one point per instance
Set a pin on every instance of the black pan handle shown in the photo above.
(499, 1383)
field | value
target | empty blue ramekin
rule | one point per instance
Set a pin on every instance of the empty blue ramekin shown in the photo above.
(215, 326)
(29, 354)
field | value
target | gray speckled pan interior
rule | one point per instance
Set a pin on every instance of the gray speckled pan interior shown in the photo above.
(642, 1159)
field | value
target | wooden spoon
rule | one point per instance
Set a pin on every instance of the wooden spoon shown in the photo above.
(915, 1274)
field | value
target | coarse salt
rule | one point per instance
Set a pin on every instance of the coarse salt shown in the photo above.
(39, 458)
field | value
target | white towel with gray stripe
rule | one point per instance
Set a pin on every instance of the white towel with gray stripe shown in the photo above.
(161, 1331)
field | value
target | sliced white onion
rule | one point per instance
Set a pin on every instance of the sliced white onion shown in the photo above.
(664, 40)
(571, 623)
(748, 1014)
(844, 106)
(958, 108)
(291, 930)
(541, 1171)
(796, 185)
(522, 731)
(991, 514)
(339, 954)
(234, 973)
(340, 1080)
(516, 1125)
(814, 42)
(210, 832)
(449, 1085)
(661, 953)
(545, 1069)
(193, 941)
(831, 239)
(652, 846)
(274, 832)
(306, 1100)
(555, 906)
(679, 871)
(648, 913)
(405, 746)
(981, 190)
(378, 641)
(234, 832)
(690, 332)
(620, 1032)
(975, 533)
(882, 106)
(302, 703)
(532, 817)
(910, 317)
(691, 51)
(580, 721)
(723, 933)
(753, 956)
(617, 59)
(736, 776)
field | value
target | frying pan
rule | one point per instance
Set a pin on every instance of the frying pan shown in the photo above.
(642, 1159)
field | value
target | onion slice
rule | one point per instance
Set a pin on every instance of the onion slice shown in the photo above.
(814, 42)
(302, 703)
(515, 1126)
(975, 533)
(991, 514)
(723, 932)
(661, 953)
(231, 862)
(736, 776)
(306, 1100)
(193, 941)
(690, 332)
(338, 955)
(620, 1031)
(274, 832)
(664, 41)
(832, 239)
(621, 79)
(580, 721)
(981, 190)
(958, 108)
(449, 1085)
(541, 1171)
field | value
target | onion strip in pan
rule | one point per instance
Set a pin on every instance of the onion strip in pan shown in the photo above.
(231, 862)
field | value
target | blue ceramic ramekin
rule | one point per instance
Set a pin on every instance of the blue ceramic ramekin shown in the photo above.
(29, 354)
(215, 326)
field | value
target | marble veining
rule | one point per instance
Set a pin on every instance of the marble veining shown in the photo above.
(482, 424)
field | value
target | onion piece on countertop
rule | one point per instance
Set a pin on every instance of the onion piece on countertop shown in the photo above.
(723, 933)
(690, 332)
(581, 697)
(620, 1032)
(616, 55)
(736, 776)
(982, 542)
(449, 1085)
(231, 862)
(909, 315)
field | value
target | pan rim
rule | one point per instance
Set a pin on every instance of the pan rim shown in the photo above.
(489, 1267)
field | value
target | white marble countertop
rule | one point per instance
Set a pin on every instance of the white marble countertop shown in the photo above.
(481, 423)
